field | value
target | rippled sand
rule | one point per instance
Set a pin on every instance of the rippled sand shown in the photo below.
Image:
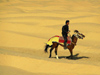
(25, 26)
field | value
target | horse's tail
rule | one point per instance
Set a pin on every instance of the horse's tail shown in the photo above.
(46, 48)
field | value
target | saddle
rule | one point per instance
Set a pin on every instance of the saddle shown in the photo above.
(61, 39)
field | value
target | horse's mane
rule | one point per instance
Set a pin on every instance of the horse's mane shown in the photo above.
(76, 31)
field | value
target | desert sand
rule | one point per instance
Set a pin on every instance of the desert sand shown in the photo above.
(26, 25)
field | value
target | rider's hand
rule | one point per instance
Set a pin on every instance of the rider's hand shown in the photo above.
(68, 31)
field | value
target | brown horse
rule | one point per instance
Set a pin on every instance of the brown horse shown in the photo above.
(70, 47)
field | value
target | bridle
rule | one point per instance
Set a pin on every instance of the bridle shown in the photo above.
(77, 35)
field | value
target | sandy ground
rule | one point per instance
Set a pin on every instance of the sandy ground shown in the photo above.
(25, 26)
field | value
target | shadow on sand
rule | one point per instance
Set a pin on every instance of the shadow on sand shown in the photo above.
(75, 57)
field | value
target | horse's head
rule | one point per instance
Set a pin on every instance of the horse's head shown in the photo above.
(79, 35)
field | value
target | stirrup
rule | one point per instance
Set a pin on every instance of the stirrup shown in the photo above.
(65, 47)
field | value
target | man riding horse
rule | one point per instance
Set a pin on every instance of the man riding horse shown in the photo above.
(65, 31)
(55, 41)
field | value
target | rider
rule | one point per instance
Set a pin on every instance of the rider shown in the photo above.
(65, 31)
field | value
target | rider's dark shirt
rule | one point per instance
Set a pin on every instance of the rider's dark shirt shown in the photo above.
(65, 29)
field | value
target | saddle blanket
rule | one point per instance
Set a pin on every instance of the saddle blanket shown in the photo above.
(59, 39)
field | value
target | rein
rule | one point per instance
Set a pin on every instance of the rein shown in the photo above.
(73, 43)
(76, 37)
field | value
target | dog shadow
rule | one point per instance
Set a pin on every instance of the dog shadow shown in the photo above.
(75, 57)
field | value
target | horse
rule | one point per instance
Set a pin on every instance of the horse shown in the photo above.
(55, 45)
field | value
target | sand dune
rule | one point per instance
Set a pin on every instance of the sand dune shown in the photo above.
(42, 66)
(26, 25)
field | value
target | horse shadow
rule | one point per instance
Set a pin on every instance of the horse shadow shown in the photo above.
(75, 57)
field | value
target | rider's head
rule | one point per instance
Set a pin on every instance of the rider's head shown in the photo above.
(67, 22)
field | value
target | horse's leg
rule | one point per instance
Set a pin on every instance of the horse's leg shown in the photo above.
(51, 50)
(56, 51)
(71, 52)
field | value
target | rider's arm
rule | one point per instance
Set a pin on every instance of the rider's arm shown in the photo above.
(68, 30)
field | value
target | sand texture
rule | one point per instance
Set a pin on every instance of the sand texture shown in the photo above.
(26, 25)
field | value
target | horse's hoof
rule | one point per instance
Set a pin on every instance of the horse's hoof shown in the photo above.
(49, 57)
(71, 57)
(45, 52)
(57, 58)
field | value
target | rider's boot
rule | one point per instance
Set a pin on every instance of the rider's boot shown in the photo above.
(65, 47)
